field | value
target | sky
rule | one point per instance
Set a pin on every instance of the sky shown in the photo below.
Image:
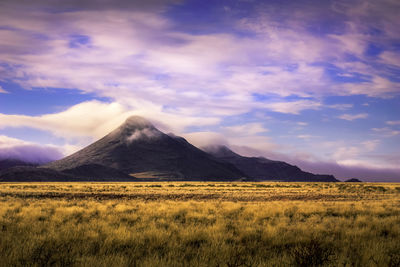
(313, 83)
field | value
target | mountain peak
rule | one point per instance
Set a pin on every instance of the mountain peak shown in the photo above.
(136, 128)
(138, 122)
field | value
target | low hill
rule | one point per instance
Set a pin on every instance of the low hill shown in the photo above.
(353, 180)
(81, 173)
(33, 174)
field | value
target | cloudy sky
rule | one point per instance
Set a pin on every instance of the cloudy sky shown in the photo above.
(314, 83)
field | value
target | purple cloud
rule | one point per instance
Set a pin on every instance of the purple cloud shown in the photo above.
(11, 148)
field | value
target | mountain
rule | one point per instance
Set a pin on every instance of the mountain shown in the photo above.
(8, 163)
(139, 149)
(259, 168)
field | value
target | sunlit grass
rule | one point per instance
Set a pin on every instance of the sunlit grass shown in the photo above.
(199, 224)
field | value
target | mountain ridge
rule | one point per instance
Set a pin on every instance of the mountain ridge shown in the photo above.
(260, 168)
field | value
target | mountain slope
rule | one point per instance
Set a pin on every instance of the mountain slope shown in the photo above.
(137, 147)
(259, 168)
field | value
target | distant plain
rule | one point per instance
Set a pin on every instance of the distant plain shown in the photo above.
(200, 224)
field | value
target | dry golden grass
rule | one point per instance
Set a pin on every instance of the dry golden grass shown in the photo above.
(199, 224)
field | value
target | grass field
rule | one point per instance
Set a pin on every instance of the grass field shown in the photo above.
(199, 224)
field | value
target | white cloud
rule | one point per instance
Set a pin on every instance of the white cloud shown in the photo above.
(386, 131)
(294, 107)
(302, 123)
(347, 152)
(393, 122)
(377, 87)
(203, 139)
(391, 58)
(238, 136)
(2, 90)
(307, 136)
(351, 117)
(340, 106)
(249, 135)
(351, 43)
(92, 118)
(95, 119)
(358, 154)
(370, 145)
(145, 133)
(244, 129)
